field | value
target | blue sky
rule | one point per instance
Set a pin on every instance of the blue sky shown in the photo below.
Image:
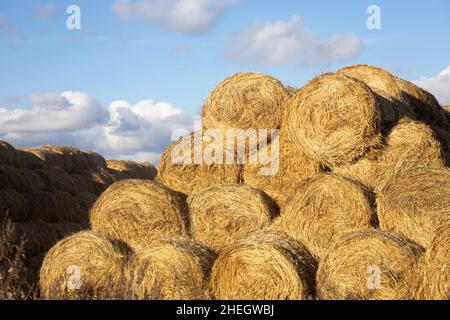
(123, 54)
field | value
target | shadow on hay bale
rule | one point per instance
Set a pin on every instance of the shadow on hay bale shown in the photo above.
(267, 265)
(83, 266)
(368, 265)
(222, 213)
(57, 179)
(21, 180)
(325, 206)
(138, 211)
(415, 202)
(170, 270)
(15, 203)
(133, 169)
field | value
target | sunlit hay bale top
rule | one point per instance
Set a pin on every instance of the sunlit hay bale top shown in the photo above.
(325, 206)
(133, 169)
(222, 213)
(170, 270)
(410, 144)
(243, 101)
(368, 265)
(82, 266)
(267, 265)
(186, 166)
(8, 154)
(137, 211)
(433, 272)
(15, 203)
(423, 103)
(279, 168)
(415, 202)
(334, 118)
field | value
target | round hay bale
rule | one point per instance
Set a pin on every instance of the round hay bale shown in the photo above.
(179, 169)
(29, 160)
(223, 213)
(424, 104)
(325, 206)
(84, 183)
(334, 118)
(415, 202)
(15, 203)
(101, 178)
(290, 91)
(267, 265)
(68, 209)
(39, 236)
(86, 200)
(433, 271)
(243, 101)
(95, 160)
(84, 265)
(57, 179)
(133, 169)
(368, 265)
(42, 206)
(409, 145)
(138, 211)
(117, 175)
(8, 154)
(170, 270)
(11, 178)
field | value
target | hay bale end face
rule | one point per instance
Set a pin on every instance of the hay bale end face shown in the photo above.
(222, 213)
(334, 118)
(138, 211)
(325, 206)
(83, 266)
(368, 265)
(170, 270)
(267, 265)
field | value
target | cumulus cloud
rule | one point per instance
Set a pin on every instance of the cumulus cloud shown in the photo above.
(285, 42)
(186, 16)
(45, 11)
(439, 85)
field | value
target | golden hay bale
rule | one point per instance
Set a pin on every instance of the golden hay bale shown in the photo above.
(133, 169)
(222, 213)
(291, 166)
(187, 178)
(325, 206)
(84, 265)
(86, 200)
(15, 203)
(170, 270)
(415, 202)
(424, 104)
(8, 154)
(42, 206)
(433, 271)
(267, 265)
(334, 118)
(137, 211)
(57, 179)
(243, 101)
(68, 208)
(409, 145)
(29, 160)
(368, 265)
(291, 91)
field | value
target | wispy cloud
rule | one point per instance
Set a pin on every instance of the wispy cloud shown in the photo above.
(439, 85)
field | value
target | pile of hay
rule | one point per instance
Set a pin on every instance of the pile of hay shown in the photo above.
(368, 265)
(325, 206)
(138, 211)
(267, 265)
(133, 169)
(170, 270)
(84, 265)
(8, 154)
(415, 202)
(245, 100)
(334, 118)
(222, 213)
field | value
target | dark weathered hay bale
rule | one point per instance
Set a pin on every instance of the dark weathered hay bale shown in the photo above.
(334, 118)
(433, 271)
(68, 208)
(138, 211)
(8, 154)
(223, 213)
(267, 265)
(95, 160)
(188, 178)
(15, 203)
(409, 145)
(86, 200)
(415, 202)
(133, 169)
(97, 261)
(84, 183)
(117, 175)
(101, 178)
(29, 160)
(293, 167)
(57, 179)
(368, 265)
(42, 206)
(11, 178)
(325, 206)
(245, 100)
(170, 270)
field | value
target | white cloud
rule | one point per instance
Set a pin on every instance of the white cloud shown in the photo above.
(186, 16)
(286, 42)
(439, 85)
(45, 11)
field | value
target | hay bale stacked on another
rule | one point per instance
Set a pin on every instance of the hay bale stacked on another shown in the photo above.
(325, 206)
(368, 265)
(133, 169)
